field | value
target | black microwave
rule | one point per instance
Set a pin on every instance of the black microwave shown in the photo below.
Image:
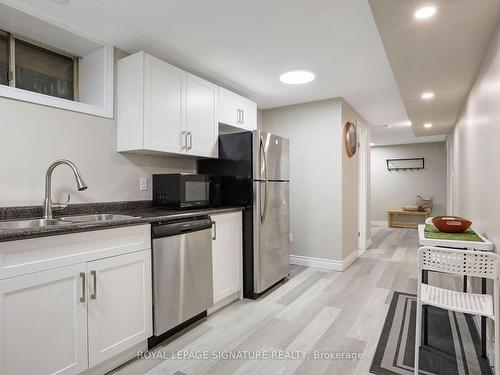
(185, 191)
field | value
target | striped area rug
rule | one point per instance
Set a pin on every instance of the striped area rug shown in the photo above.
(454, 345)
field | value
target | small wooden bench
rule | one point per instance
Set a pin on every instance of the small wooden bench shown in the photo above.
(402, 224)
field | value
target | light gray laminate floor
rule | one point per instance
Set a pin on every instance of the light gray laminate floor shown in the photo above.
(315, 311)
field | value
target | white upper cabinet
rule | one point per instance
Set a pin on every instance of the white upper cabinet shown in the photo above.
(228, 107)
(164, 109)
(201, 117)
(164, 105)
(237, 111)
(161, 108)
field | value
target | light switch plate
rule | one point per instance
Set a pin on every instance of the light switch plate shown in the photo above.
(143, 184)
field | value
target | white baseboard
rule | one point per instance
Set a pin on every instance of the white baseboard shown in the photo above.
(379, 223)
(329, 264)
(118, 360)
(368, 244)
(347, 261)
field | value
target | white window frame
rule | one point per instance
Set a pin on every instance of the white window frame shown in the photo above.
(47, 27)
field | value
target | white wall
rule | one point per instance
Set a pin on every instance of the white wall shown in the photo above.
(315, 174)
(350, 185)
(474, 153)
(392, 190)
(33, 136)
(475, 149)
(323, 215)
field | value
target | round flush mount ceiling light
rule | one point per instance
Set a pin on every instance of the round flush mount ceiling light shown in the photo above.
(297, 77)
(427, 95)
(428, 125)
(425, 12)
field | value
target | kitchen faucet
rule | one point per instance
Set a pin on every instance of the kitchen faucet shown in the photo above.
(47, 202)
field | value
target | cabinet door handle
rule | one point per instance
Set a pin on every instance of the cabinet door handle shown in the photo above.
(183, 140)
(190, 137)
(94, 280)
(242, 116)
(214, 225)
(238, 120)
(82, 276)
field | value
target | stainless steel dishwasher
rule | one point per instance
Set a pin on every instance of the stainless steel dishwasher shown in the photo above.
(182, 274)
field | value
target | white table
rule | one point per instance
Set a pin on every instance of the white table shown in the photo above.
(470, 245)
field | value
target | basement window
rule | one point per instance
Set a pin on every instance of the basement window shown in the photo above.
(45, 63)
(39, 69)
(4, 58)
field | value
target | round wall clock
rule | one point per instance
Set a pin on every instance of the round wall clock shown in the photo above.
(350, 138)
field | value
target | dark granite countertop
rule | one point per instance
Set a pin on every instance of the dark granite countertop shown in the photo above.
(142, 211)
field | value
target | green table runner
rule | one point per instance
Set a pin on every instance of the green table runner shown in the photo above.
(432, 232)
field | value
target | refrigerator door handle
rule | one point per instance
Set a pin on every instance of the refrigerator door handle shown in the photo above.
(265, 201)
(263, 159)
(262, 211)
(264, 164)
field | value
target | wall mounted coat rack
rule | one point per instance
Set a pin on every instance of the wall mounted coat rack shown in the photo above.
(407, 164)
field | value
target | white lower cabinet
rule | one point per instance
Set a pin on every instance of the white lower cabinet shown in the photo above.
(227, 255)
(43, 327)
(66, 319)
(119, 304)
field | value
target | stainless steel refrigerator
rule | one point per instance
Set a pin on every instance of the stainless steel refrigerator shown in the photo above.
(254, 167)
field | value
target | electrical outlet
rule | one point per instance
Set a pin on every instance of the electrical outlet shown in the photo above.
(291, 237)
(143, 184)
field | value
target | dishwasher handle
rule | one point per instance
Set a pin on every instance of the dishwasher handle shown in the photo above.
(180, 227)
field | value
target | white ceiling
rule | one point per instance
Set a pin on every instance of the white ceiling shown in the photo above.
(245, 45)
(400, 135)
(442, 54)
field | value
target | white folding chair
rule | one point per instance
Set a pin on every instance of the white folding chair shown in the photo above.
(464, 263)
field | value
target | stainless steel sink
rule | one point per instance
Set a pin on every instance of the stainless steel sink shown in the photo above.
(39, 223)
(27, 224)
(94, 218)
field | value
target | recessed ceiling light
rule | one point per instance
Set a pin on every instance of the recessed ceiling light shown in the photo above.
(427, 95)
(428, 125)
(297, 77)
(425, 12)
(409, 123)
(372, 144)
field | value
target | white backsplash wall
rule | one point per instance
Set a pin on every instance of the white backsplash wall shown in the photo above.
(393, 190)
(33, 136)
